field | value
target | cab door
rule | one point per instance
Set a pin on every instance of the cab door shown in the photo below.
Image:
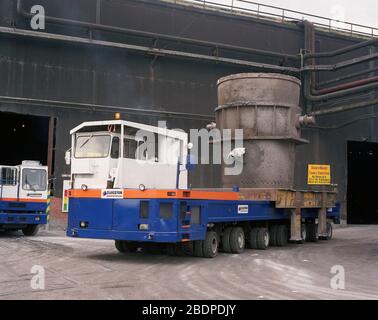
(9, 183)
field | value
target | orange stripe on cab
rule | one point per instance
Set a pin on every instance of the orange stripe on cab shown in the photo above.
(24, 200)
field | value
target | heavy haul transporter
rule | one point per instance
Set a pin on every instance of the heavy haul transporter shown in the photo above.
(141, 199)
(24, 197)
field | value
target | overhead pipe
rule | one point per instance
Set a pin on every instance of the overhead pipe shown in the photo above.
(103, 108)
(337, 94)
(309, 35)
(157, 36)
(346, 77)
(348, 85)
(344, 108)
(136, 48)
(310, 92)
(340, 65)
(368, 116)
(341, 51)
(96, 26)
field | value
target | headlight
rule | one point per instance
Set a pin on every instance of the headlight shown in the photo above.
(83, 224)
(143, 227)
(84, 187)
(142, 187)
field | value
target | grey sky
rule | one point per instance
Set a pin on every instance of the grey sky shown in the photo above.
(361, 12)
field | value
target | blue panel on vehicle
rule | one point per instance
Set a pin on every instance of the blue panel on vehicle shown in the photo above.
(23, 206)
(166, 222)
(97, 213)
(243, 211)
(161, 215)
(21, 219)
(126, 215)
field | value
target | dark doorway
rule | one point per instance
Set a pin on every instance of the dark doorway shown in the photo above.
(362, 183)
(23, 137)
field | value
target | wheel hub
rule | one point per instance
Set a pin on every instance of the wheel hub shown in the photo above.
(266, 239)
(214, 245)
(241, 240)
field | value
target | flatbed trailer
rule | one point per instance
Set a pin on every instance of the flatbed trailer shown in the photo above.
(203, 221)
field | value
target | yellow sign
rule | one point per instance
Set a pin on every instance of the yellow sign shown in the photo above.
(319, 174)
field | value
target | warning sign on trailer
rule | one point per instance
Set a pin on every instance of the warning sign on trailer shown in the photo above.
(319, 174)
(243, 209)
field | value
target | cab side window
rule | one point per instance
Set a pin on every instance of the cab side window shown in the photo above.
(130, 148)
(8, 176)
(114, 153)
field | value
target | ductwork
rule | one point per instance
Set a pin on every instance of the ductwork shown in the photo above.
(310, 92)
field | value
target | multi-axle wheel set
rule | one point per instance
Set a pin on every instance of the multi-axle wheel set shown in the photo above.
(229, 239)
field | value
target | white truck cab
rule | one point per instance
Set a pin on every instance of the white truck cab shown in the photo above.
(125, 155)
(24, 197)
(26, 181)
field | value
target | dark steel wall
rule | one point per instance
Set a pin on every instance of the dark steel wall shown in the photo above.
(51, 70)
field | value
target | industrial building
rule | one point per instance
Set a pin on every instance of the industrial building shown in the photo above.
(160, 60)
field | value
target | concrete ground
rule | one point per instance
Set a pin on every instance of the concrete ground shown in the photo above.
(92, 269)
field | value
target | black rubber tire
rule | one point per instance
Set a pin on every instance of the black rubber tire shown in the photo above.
(252, 240)
(282, 236)
(31, 230)
(210, 245)
(198, 248)
(131, 246)
(170, 248)
(329, 231)
(119, 246)
(273, 231)
(226, 240)
(7, 231)
(329, 235)
(188, 248)
(237, 240)
(263, 239)
(312, 232)
(126, 246)
(152, 248)
(175, 250)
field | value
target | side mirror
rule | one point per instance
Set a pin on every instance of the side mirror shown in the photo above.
(190, 162)
(67, 157)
